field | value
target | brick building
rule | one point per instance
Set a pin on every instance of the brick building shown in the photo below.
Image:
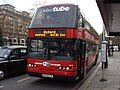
(13, 25)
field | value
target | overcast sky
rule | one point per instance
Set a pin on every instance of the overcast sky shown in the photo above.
(88, 7)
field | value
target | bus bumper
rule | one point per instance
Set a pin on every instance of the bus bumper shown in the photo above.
(58, 77)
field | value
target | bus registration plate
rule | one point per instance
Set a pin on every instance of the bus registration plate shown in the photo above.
(47, 75)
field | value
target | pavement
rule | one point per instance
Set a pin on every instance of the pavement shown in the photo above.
(111, 74)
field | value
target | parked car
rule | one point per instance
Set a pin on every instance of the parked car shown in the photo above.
(12, 60)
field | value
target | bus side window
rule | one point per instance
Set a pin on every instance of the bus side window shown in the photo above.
(87, 50)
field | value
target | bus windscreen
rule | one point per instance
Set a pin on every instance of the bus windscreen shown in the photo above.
(51, 49)
(55, 16)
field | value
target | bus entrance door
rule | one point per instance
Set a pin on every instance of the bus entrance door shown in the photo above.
(80, 53)
(82, 59)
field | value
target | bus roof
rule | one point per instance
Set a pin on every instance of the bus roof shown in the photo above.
(67, 4)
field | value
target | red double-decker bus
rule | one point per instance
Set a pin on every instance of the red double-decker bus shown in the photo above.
(59, 45)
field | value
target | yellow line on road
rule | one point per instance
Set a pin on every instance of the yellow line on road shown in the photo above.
(23, 79)
(2, 86)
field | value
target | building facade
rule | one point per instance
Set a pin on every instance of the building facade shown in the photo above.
(13, 25)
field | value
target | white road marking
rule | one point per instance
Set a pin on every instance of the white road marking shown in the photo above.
(23, 79)
(2, 86)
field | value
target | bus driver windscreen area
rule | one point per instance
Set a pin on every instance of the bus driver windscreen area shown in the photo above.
(52, 49)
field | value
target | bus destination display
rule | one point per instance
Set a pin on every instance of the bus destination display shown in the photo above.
(50, 33)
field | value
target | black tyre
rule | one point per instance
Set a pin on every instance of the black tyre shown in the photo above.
(2, 74)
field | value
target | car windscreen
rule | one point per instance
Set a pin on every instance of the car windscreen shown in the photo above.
(4, 53)
(55, 16)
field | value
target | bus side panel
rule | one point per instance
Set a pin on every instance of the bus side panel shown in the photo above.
(91, 59)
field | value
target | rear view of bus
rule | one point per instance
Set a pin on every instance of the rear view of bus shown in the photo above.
(52, 40)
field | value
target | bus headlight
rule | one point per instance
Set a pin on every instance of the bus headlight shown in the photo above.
(67, 68)
(60, 68)
(29, 65)
(63, 68)
(32, 65)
